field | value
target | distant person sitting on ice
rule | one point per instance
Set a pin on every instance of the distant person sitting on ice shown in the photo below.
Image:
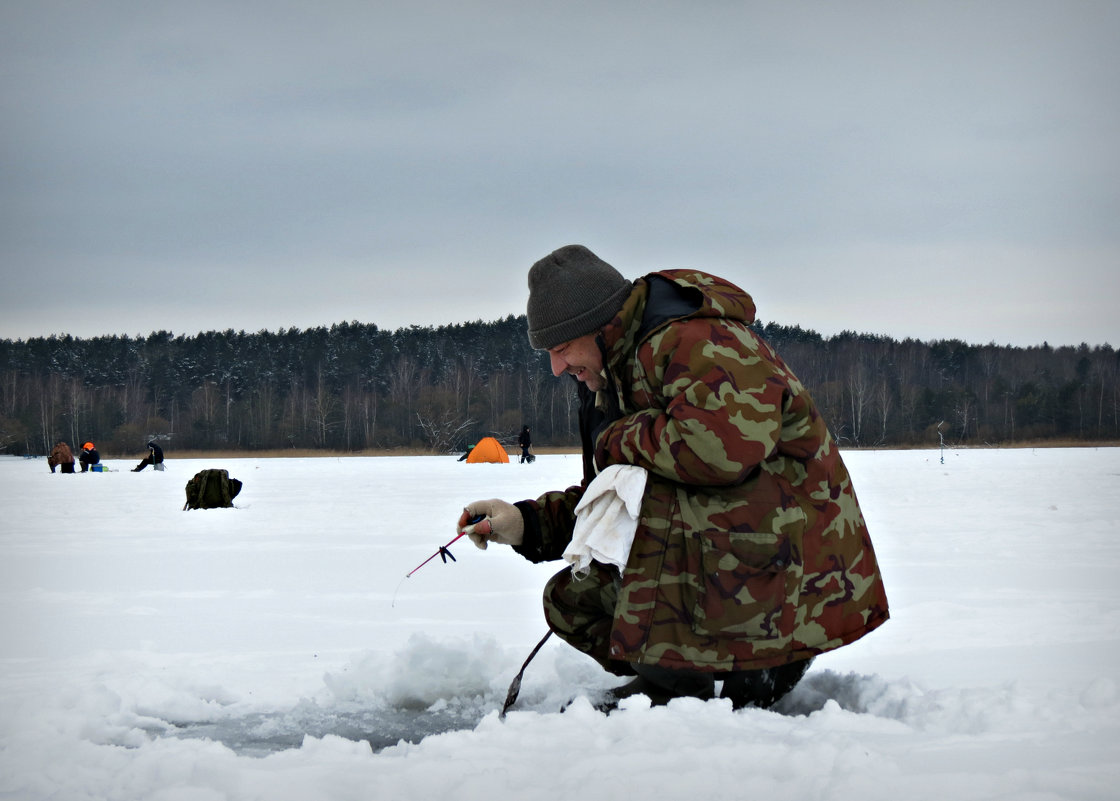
(154, 458)
(62, 457)
(89, 456)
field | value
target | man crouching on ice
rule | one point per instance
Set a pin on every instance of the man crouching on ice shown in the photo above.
(716, 534)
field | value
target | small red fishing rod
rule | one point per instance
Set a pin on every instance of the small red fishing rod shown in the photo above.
(443, 552)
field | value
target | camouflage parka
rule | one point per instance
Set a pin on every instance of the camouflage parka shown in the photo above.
(751, 548)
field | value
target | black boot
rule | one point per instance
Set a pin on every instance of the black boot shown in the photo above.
(762, 688)
(661, 685)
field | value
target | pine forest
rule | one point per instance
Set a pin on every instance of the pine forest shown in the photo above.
(356, 388)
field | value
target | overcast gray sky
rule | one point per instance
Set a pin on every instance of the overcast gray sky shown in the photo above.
(918, 169)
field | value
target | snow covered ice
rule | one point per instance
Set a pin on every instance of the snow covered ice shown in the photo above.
(276, 651)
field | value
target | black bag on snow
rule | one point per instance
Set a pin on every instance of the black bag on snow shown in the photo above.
(211, 489)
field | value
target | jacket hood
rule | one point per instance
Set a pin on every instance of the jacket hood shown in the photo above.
(662, 297)
(717, 296)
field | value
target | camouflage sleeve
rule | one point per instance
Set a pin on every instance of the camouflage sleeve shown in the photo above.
(549, 521)
(714, 411)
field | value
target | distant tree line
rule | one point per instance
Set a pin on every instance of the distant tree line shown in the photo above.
(355, 387)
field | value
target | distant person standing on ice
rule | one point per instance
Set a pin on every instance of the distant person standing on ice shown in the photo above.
(716, 533)
(526, 442)
(61, 457)
(154, 458)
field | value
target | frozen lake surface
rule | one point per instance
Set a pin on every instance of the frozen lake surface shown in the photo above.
(276, 650)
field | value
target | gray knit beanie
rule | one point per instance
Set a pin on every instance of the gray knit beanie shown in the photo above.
(572, 292)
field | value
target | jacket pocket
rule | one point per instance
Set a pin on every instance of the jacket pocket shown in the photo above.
(746, 584)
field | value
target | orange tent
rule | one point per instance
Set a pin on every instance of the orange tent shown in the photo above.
(488, 449)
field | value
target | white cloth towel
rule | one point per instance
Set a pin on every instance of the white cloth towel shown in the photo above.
(607, 518)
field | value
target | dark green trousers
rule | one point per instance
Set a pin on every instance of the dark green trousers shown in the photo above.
(581, 612)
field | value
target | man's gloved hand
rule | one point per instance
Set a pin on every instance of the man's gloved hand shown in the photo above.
(502, 523)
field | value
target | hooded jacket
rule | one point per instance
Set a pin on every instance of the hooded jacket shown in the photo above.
(751, 548)
(60, 455)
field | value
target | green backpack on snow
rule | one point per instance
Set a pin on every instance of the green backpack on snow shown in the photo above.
(211, 489)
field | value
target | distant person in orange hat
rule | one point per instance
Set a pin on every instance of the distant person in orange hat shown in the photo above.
(89, 456)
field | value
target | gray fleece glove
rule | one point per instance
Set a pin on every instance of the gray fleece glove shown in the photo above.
(502, 523)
